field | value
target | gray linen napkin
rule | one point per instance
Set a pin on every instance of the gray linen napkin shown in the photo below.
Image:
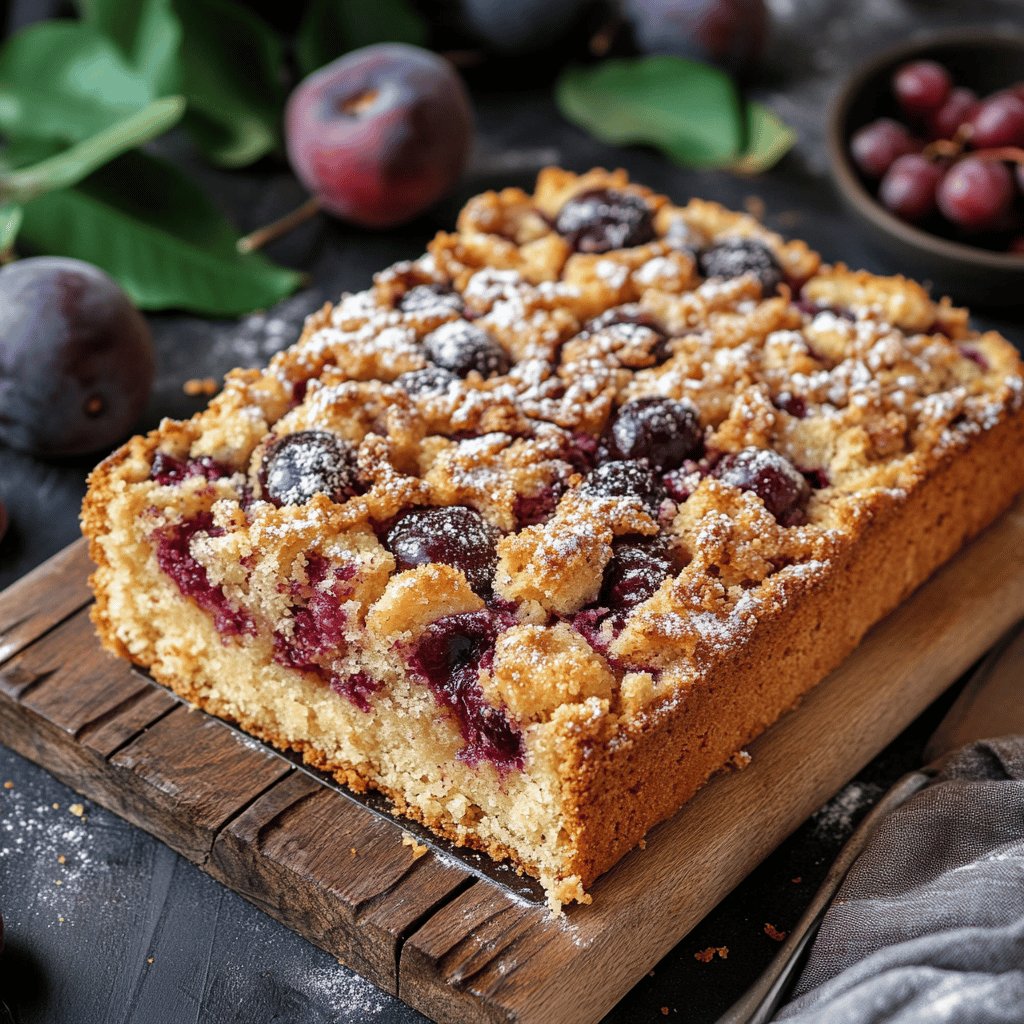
(929, 923)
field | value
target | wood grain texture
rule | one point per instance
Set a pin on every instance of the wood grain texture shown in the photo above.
(43, 598)
(333, 872)
(459, 948)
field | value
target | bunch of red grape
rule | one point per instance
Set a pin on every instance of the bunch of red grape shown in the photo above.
(955, 162)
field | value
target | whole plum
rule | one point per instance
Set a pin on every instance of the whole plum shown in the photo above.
(76, 358)
(380, 134)
(730, 33)
(520, 27)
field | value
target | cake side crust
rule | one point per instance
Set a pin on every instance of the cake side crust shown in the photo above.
(622, 787)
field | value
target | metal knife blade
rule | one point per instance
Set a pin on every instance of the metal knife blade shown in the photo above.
(992, 702)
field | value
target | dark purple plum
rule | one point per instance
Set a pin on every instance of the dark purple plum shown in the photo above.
(772, 477)
(998, 121)
(174, 556)
(921, 86)
(624, 479)
(448, 657)
(309, 462)
(733, 257)
(462, 347)
(452, 535)
(431, 380)
(663, 431)
(730, 33)
(629, 318)
(977, 194)
(76, 358)
(380, 134)
(520, 27)
(167, 469)
(637, 569)
(875, 146)
(601, 219)
(908, 187)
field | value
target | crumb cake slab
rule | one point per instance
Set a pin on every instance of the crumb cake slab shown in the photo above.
(537, 533)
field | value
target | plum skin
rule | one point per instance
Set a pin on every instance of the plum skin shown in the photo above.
(730, 33)
(380, 134)
(76, 358)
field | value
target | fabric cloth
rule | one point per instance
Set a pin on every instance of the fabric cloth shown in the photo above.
(928, 925)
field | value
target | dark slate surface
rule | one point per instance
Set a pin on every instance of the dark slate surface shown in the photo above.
(135, 935)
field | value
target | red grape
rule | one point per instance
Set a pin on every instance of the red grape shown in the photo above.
(921, 86)
(875, 146)
(999, 122)
(976, 194)
(908, 188)
(959, 108)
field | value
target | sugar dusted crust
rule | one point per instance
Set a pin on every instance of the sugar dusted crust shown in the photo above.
(595, 708)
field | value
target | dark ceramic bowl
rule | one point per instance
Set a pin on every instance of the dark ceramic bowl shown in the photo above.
(984, 60)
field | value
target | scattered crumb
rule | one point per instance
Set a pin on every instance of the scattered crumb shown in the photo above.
(797, 879)
(55, 806)
(773, 933)
(740, 760)
(642, 844)
(150, 959)
(58, 881)
(754, 205)
(8, 784)
(78, 810)
(664, 1011)
(60, 918)
(353, 851)
(200, 386)
(61, 858)
(705, 956)
(418, 849)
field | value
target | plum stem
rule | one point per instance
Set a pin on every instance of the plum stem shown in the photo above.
(276, 229)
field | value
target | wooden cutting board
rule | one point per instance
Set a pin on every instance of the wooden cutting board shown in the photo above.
(456, 946)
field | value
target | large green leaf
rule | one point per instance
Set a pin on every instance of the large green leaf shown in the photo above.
(147, 32)
(769, 139)
(148, 226)
(232, 74)
(66, 81)
(690, 111)
(333, 27)
(79, 161)
(10, 224)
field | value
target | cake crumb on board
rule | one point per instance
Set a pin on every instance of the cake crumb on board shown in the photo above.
(705, 956)
(774, 933)
(78, 810)
(418, 849)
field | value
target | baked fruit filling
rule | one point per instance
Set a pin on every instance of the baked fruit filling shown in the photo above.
(540, 529)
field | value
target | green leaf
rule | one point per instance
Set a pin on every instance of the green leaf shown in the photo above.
(147, 32)
(688, 110)
(333, 27)
(65, 81)
(232, 74)
(11, 217)
(769, 139)
(78, 162)
(152, 229)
